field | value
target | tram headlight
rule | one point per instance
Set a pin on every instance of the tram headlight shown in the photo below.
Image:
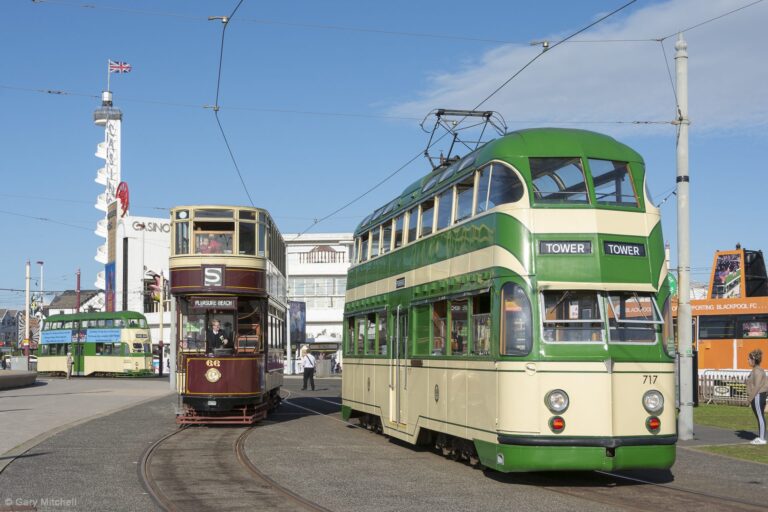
(653, 401)
(557, 401)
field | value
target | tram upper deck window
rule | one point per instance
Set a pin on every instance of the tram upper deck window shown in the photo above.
(613, 183)
(182, 232)
(413, 223)
(398, 235)
(498, 184)
(262, 234)
(364, 247)
(214, 237)
(558, 180)
(632, 317)
(427, 217)
(375, 242)
(386, 237)
(444, 209)
(247, 237)
(571, 316)
(464, 193)
(214, 213)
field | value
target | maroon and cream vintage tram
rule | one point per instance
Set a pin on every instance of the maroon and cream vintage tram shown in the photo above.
(227, 270)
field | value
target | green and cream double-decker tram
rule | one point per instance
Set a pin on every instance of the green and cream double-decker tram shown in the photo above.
(99, 343)
(227, 270)
(512, 308)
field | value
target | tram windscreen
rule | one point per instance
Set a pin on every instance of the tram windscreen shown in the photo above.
(633, 317)
(572, 316)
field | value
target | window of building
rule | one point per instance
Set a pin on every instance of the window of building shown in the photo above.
(422, 323)
(613, 182)
(444, 209)
(464, 196)
(632, 317)
(399, 221)
(427, 217)
(413, 224)
(516, 330)
(386, 237)
(558, 180)
(459, 327)
(572, 316)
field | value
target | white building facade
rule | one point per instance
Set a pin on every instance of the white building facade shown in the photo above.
(142, 252)
(317, 266)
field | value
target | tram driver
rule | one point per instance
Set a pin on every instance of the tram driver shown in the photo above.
(216, 337)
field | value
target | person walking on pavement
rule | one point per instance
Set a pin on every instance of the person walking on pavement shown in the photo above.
(308, 362)
(70, 362)
(757, 391)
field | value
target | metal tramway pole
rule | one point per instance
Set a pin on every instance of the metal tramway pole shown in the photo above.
(684, 329)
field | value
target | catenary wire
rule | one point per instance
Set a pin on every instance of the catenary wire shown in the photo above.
(225, 23)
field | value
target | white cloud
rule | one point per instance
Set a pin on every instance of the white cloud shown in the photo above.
(594, 82)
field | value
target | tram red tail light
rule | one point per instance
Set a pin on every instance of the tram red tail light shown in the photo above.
(653, 424)
(556, 424)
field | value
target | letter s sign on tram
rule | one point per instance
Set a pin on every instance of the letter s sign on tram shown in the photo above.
(213, 276)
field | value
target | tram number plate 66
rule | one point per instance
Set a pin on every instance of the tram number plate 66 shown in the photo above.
(650, 379)
(213, 363)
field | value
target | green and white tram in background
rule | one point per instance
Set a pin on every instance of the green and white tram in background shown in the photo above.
(512, 308)
(115, 343)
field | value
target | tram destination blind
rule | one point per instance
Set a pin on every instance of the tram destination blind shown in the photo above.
(565, 247)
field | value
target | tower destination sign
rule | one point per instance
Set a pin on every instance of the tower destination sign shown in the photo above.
(565, 247)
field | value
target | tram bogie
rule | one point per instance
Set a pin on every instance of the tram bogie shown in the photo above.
(512, 309)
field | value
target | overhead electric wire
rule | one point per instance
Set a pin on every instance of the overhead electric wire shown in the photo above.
(45, 219)
(225, 22)
(535, 58)
(710, 20)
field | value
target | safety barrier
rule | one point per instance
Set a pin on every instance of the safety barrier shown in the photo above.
(723, 387)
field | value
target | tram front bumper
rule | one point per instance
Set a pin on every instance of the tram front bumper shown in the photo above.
(517, 454)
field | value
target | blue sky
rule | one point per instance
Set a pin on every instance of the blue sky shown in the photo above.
(320, 100)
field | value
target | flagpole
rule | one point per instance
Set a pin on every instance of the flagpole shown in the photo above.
(108, 75)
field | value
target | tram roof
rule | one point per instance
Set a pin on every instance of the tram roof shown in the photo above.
(531, 142)
(99, 315)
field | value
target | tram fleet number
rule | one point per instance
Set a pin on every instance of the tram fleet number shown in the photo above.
(649, 379)
(213, 362)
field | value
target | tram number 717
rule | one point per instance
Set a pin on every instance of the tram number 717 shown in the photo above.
(650, 379)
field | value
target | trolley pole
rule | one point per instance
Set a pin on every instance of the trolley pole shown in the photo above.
(684, 334)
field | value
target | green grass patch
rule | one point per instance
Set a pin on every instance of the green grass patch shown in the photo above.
(740, 451)
(730, 417)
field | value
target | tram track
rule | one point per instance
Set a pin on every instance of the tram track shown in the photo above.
(188, 470)
(630, 493)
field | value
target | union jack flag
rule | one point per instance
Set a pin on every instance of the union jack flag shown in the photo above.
(119, 67)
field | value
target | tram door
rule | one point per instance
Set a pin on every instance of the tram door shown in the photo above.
(398, 406)
(78, 350)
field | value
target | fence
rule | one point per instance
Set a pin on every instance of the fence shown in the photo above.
(723, 387)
